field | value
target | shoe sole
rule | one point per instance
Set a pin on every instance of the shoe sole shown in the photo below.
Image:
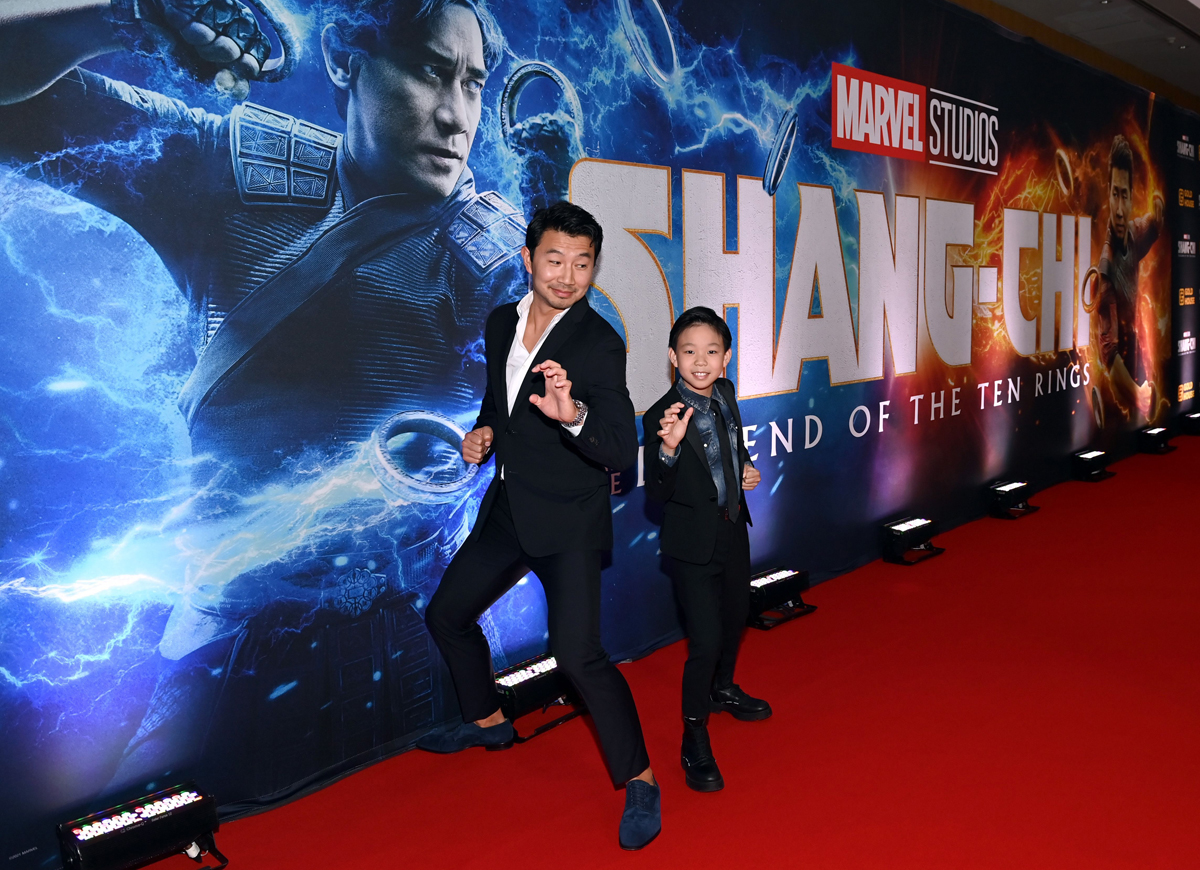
(493, 747)
(643, 846)
(742, 717)
(696, 785)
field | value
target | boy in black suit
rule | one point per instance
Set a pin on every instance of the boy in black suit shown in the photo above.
(697, 464)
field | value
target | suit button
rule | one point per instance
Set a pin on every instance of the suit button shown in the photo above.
(510, 431)
(592, 438)
(712, 498)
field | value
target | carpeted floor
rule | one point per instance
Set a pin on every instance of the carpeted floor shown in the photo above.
(1031, 699)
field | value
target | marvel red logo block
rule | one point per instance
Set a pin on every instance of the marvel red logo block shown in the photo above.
(877, 114)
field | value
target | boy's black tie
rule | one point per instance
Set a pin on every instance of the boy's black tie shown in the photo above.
(733, 492)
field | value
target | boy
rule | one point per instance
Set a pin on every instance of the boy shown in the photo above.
(704, 527)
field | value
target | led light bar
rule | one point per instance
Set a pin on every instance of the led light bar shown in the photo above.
(536, 684)
(1089, 465)
(543, 666)
(181, 819)
(1189, 424)
(1155, 431)
(1009, 487)
(1155, 440)
(775, 597)
(1008, 500)
(906, 541)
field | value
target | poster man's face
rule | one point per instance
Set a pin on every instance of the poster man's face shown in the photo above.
(1119, 194)
(413, 110)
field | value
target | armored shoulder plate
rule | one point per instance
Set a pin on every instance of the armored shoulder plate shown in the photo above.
(281, 160)
(486, 232)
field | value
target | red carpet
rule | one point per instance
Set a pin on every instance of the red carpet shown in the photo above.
(1031, 699)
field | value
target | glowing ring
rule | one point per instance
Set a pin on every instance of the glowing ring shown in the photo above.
(781, 152)
(641, 49)
(397, 480)
(1097, 408)
(278, 69)
(520, 79)
(1063, 162)
(1089, 307)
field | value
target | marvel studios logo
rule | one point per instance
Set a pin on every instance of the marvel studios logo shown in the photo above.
(1186, 345)
(1185, 148)
(1186, 247)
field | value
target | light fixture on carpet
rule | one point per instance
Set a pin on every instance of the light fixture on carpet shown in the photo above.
(172, 821)
(1009, 500)
(536, 684)
(907, 541)
(1189, 424)
(775, 597)
(1090, 466)
(1155, 439)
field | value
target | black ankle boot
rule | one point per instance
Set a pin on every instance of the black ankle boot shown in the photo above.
(696, 756)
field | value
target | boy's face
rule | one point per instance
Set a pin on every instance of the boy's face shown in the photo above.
(700, 356)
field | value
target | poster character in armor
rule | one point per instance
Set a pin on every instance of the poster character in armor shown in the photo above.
(1122, 382)
(336, 282)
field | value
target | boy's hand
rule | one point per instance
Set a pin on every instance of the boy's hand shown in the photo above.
(672, 427)
(750, 477)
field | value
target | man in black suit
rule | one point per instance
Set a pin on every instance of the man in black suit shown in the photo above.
(556, 415)
(704, 534)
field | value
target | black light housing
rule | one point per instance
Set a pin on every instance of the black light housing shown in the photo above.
(1009, 500)
(1189, 424)
(536, 684)
(1155, 439)
(172, 821)
(1090, 466)
(775, 597)
(907, 541)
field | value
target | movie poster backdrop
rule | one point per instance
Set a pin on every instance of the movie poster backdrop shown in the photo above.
(905, 213)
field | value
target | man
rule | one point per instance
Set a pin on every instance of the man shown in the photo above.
(334, 281)
(556, 415)
(1123, 380)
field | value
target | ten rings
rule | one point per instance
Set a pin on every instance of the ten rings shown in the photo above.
(641, 46)
(781, 152)
(398, 481)
(1062, 169)
(277, 69)
(517, 82)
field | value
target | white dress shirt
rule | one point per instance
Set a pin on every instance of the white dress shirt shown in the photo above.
(519, 359)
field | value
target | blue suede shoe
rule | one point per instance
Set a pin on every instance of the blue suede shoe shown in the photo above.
(455, 738)
(642, 820)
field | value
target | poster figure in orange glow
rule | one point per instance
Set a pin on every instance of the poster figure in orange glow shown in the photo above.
(1122, 383)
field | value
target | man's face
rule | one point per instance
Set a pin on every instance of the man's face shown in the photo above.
(560, 269)
(1118, 201)
(700, 356)
(413, 110)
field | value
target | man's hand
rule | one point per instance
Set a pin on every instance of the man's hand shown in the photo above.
(750, 477)
(476, 445)
(226, 34)
(1158, 209)
(557, 403)
(672, 427)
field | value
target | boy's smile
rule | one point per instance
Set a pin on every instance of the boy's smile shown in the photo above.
(700, 356)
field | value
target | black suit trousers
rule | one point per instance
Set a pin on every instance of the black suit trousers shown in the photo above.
(715, 598)
(485, 568)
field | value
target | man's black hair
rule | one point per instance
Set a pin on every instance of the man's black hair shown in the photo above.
(566, 217)
(373, 25)
(700, 316)
(1120, 156)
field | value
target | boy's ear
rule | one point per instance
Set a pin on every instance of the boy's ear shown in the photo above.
(728, 356)
(671, 356)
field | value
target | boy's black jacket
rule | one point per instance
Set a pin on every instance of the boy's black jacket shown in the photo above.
(690, 512)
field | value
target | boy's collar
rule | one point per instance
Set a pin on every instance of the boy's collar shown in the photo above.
(697, 401)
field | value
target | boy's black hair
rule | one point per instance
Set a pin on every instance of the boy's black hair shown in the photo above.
(700, 316)
(566, 217)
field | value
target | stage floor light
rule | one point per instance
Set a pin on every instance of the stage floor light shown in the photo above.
(178, 820)
(775, 598)
(1155, 439)
(536, 684)
(907, 541)
(1090, 466)
(1009, 500)
(1189, 424)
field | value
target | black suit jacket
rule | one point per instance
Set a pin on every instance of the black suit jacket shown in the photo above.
(690, 519)
(558, 484)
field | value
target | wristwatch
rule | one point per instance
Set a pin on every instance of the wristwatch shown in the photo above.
(581, 416)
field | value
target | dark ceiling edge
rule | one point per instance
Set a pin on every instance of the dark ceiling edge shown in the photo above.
(1081, 51)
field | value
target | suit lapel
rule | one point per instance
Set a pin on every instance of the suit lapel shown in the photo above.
(554, 342)
(498, 361)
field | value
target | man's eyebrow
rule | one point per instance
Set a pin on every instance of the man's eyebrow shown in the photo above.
(563, 253)
(427, 53)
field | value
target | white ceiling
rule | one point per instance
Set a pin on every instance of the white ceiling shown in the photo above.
(1160, 37)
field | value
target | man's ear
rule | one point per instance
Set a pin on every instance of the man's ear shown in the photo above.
(528, 258)
(340, 59)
